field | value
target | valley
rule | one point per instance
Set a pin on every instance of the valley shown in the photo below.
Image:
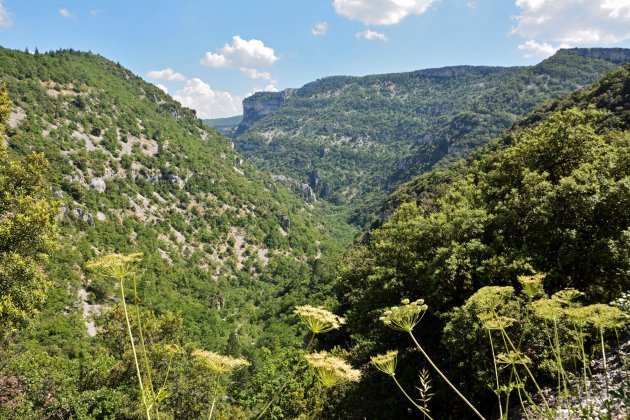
(349, 193)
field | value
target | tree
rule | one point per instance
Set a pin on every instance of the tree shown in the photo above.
(27, 231)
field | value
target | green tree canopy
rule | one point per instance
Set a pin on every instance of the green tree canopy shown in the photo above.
(27, 231)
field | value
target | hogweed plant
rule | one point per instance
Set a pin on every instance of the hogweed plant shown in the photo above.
(120, 267)
(489, 301)
(332, 371)
(218, 365)
(386, 363)
(404, 318)
(318, 321)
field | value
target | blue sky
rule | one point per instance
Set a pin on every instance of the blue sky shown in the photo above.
(211, 54)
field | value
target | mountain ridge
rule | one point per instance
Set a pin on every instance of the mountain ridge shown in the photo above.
(360, 137)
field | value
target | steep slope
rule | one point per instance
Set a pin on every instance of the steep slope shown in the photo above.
(550, 196)
(353, 139)
(224, 245)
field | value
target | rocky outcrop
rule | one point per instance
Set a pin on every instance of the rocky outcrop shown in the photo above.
(83, 215)
(260, 104)
(307, 192)
(452, 71)
(98, 184)
(318, 185)
(614, 55)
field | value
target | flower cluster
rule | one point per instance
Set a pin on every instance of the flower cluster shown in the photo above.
(604, 316)
(331, 370)
(386, 363)
(513, 358)
(318, 320)
(218, 363)
(117, 266)
(406, 316)
(496, 322)
(532, 285)
(548, 309)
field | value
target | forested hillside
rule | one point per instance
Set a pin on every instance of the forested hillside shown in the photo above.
(147, 270)
(541, 210)
(227, 251)
(354, 139)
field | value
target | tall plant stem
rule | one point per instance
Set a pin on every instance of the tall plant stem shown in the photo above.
(133, 348)
(143, 346)
(529, 372)
(496, 372)
(583, 357)
(426, 356)
(214, 398)
(601, 337)
(418, 406)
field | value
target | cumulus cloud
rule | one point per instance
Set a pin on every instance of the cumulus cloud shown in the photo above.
(215, 60)
(241, 53)
(381, 12)
(572, 22)
(371, 35)
(166, 74)
(66, 13)
(532, 48)
(208, 103)
(255, 74)
(5, 18)
(161, 86)
(320, 29)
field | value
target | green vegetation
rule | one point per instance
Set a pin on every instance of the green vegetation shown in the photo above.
(225, 126)
(550, 196)
(27, 232)
(184, 275)
(227, 252)
(354, 139)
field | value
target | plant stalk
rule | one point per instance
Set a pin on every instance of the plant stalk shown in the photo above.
(426, 356)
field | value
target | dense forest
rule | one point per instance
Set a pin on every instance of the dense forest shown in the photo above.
(150, 271)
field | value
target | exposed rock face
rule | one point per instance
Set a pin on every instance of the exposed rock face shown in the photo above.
(98, 184)
(307, 192)
(318, 185)
(16, 117)
(285, 221)
(83, 215)
(452, 71)
(614, 55)
(168, 177)
(260, 104)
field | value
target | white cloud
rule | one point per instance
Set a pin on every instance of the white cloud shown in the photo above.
(472, 4)
(215, 60)
(66, 13)
(241, 53)
(381, 12)
(572, 22)
(255, 74)
(5, 18)
(95, 12)
(208, 103)
(320, 29)
(166, 74)
(532, 48)
(161, 86)
(371, 35)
